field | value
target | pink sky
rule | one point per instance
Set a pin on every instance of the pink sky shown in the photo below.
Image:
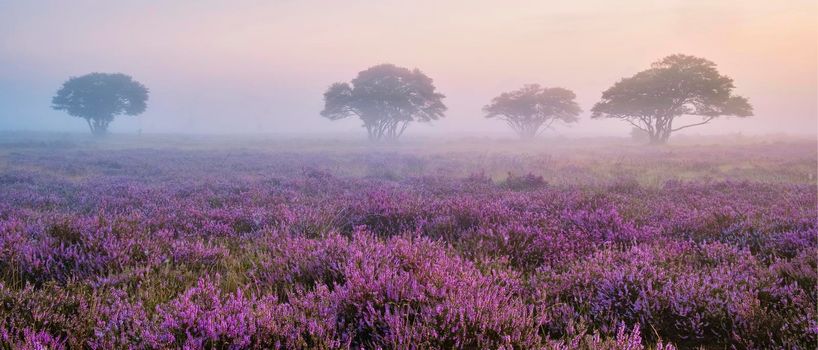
(250, 66)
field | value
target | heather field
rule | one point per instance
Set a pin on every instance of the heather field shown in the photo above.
(160, 242)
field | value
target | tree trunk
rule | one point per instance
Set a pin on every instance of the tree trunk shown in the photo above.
(370, 132)
(655, 141)
(660, 132)
(528, 131)
(527, 135)
(98, 127)
(658, 138)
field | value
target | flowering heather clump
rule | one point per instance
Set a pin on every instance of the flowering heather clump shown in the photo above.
(525, 182)
(150, 249)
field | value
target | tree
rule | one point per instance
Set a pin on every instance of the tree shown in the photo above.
(99, 97)
(530, 108)
(675, 86)
(386, 98)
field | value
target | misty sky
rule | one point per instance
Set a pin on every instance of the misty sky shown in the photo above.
(262, 66)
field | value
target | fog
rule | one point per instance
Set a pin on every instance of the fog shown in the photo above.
(262, 66)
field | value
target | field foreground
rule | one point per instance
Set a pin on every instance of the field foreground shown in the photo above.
(267, 246)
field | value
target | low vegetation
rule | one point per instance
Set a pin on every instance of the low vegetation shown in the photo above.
(248, 248)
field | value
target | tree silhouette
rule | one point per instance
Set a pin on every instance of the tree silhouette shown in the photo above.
(677, 85)
(386, 98)
(530, 108)
(99, 97)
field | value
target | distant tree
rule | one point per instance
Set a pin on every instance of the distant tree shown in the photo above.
(386, 98)
(675, 86)
(99, 97)
(532, 108)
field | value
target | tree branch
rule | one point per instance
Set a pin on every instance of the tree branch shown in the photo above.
(636, 125)
(687, 126)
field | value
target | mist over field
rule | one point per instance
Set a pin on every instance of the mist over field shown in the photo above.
(261, 67)
(634, 175)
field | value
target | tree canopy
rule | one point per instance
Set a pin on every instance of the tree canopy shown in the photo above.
(386, 98)
(533, 107)
(99, 97)
(675, 86)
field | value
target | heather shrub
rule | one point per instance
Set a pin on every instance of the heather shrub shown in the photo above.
(29, 339)
(202, 317)
(181, 248)
(523, 183)
(120, 323)
(280, 263)
(413, 292)
(51, 315)
(478, 178)
(553, 240)
(690, 294)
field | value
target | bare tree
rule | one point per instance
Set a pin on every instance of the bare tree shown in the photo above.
(386, 98)
(676, 86)
(532, 108)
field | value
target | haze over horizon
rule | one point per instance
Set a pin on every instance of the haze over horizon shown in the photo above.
(262, 67)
